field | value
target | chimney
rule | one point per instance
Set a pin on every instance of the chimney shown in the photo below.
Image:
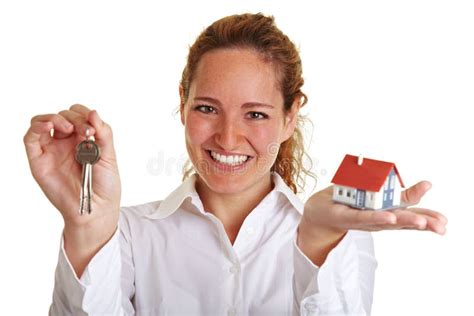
(360, 160)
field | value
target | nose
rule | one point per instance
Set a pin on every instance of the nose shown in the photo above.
(229, 134)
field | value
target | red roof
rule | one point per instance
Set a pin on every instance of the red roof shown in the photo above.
(369, 176)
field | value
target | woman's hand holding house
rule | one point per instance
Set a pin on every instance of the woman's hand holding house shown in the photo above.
(325, 222)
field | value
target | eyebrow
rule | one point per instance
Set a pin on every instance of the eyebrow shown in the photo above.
(245, 105)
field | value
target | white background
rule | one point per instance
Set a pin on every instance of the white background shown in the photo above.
(392, 80)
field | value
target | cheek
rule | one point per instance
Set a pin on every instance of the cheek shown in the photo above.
(265, 140)
(197, 130)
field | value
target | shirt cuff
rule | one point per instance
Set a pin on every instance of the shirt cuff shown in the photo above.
(100, 278)
(332, 288)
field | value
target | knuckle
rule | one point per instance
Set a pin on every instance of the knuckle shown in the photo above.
(74, 106)
(108, 129)
(35, 118)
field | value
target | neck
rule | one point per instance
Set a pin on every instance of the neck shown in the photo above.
(232, 208)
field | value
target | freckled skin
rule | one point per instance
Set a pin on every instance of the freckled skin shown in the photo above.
(235, 77)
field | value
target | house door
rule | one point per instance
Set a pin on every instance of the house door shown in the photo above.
(360, 198)
(388, 190)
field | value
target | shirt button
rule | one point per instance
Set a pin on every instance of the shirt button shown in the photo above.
(312, 308)
(231, 312)
(234, 269)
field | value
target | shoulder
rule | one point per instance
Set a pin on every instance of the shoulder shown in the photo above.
(135, 217)
(140, 210)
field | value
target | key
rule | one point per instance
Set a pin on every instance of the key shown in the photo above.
(87, 154)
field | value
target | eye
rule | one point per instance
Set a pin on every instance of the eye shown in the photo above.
(204, 108)
(258, 115)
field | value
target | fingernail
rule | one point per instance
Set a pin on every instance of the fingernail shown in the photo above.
(87, 130)
(386, 221)
(444, 220)
(428, 185)
(422, 224)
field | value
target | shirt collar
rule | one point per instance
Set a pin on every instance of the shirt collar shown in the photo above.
(188, 189)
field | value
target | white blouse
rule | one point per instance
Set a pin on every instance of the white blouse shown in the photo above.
(171, 257)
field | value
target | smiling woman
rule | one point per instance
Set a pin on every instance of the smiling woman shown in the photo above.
(272, 82)
(233, 238)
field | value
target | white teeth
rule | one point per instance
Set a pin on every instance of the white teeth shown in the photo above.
(229, 160)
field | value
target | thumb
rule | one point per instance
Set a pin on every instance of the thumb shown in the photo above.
(413, 194)
(103, 134)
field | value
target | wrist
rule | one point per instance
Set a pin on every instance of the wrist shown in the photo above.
(83, 242)
(317, 241)
(312, 231)
(89, 236)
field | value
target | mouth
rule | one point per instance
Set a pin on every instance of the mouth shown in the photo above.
(229, 163)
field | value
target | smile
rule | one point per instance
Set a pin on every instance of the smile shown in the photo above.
(233, 160)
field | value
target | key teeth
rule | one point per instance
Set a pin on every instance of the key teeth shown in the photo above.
(85, 204)
(81, 203)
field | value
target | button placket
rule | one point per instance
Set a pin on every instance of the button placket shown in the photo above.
(234, 269)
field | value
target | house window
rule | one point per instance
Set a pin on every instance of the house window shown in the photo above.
(340, 191)
(392, 182)
(391, 195)
(348, 193)
(385, 196)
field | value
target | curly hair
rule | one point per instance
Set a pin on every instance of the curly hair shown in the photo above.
(260, 33)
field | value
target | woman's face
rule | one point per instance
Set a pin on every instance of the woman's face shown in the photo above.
(234, 119)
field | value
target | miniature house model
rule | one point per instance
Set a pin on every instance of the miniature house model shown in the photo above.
(367, 184)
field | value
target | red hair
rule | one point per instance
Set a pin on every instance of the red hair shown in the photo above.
(259, 32)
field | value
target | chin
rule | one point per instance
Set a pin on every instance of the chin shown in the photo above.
(222, 183)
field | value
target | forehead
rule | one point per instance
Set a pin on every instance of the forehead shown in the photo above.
(236, 73)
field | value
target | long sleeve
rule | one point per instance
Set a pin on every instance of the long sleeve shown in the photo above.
(106, 286)
(343, 285)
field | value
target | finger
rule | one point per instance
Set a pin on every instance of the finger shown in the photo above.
(104, 135)
(409, 219)
(58, 122)
(40, 127)
(354, 219)
(81, 125)
(413, 195)
(33, 136)
(432, 224)
(81, 109)
(436, 215)
(435, 225)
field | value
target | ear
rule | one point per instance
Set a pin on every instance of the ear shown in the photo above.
(291, 119)
(181, 104)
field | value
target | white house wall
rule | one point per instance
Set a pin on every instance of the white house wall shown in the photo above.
(375, 203)
(378, 199)
(344, 199)
(369, 199)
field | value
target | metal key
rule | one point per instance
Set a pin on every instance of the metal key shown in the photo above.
(87, 154)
